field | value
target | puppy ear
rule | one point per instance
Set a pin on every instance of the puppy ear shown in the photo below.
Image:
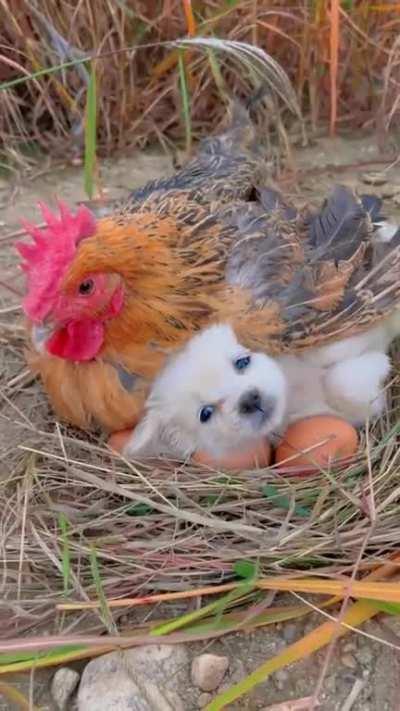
(146, 439)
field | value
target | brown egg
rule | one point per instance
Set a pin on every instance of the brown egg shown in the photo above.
(328, 440)
(253, 458)
(118, 440)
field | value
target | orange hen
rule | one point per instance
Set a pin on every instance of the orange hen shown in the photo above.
(108, 298)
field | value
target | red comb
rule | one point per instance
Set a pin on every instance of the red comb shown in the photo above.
(47, 259)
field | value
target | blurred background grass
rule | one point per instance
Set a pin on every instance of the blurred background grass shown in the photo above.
(341, 55)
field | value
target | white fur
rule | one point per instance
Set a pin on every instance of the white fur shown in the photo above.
(203, 373)
(350, 388)
(354, 386)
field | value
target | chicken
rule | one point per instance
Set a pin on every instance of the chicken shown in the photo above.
(108, 298)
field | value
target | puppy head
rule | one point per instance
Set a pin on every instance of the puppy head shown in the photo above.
(214, 396)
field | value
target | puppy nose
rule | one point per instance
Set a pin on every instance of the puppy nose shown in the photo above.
(250, 402)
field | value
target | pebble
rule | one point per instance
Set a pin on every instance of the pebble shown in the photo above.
(348, 661)
(365, 656)
(208, 671)
(149, 678)
(290, 632)
(388, 191)
(281, 678)
(330, 684)
(63, 685)
(204, 699)
(374, 178)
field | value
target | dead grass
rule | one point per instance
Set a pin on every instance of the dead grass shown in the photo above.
(341, 57)
(79, 524)
(170, 527)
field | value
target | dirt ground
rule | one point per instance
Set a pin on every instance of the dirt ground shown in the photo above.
(363, 674)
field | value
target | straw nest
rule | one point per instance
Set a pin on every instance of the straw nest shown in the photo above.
(77, 522)
(74, 517)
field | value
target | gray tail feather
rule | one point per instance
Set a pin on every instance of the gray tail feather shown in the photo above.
(240, 134)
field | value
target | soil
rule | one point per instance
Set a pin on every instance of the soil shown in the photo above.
(361, 667)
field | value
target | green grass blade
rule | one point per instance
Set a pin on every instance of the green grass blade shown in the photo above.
(214, 607)
(392, 608)
(216, 72)
(104, 609)
(18, 659)
(182, 621)
(66, 554)
(90, 134)
(246, 569)
(185, 99)
(40, 73)
(283, 502)
(16, 697)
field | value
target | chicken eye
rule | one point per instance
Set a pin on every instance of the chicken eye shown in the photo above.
(242, 363)
(206, 413)
(86, 287)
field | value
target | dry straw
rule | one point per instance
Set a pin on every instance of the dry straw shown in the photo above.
(341, 57)
(80, 526)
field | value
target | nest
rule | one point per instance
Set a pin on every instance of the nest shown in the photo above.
(76, 517)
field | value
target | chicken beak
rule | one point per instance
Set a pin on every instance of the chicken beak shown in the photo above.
(40, 334)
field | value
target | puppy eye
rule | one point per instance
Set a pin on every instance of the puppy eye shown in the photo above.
(206, 413)
(242, 363)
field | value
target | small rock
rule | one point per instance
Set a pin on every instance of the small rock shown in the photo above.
(204, 699)
(281, 678)
(146, 678)
(330, 684)
(374, 178)
(396, 199)
(365, 656)
(349, 647)
(63, 685)
(290, 632)
(208, 670)
(348, 661)
(387, 191)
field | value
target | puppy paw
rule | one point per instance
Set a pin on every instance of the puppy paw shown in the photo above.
(354, 386)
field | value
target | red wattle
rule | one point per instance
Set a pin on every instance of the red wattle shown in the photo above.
(78, 341)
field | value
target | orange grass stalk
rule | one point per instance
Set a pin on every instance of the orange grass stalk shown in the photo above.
(334, 56)
(389, 592)
(359, 612)
(190, 21)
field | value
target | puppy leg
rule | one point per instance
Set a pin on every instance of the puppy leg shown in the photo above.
(354, 386)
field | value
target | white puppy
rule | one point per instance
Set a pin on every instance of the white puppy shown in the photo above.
(216, 396)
